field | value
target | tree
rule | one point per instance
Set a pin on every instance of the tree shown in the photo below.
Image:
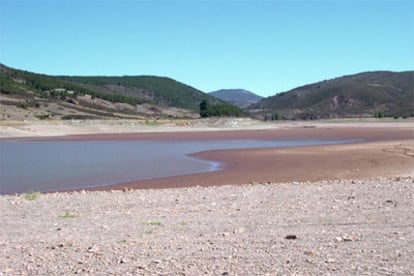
(219, 110)
(275, 117)
(204, 108)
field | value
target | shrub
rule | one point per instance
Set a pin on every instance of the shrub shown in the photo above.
(31, 196)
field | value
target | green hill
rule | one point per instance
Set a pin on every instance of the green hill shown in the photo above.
(368, 94)
(99, 96)
(158, 90)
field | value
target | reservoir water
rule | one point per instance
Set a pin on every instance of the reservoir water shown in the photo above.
(44, 166)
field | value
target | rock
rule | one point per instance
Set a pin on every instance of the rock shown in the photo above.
(243, 235)
(310, 253)
(330, 261)
(239, 230)
(347, 238)
(123, 261)
(344, 239)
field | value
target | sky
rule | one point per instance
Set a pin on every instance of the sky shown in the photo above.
(263, 46)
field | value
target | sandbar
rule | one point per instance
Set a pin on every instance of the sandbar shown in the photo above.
(382, 152)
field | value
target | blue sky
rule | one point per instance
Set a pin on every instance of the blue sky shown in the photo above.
(263, 46)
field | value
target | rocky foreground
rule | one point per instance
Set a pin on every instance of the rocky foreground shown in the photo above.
(336, 227)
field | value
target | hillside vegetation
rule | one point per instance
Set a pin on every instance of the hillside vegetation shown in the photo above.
(379, 94)
(220, 110)
(158, 90)
(69, 97)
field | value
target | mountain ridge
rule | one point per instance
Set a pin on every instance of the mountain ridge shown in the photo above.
(238, 97)
(96, 96)
(365, 94)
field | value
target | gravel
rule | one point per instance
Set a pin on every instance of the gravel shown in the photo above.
(360, 227)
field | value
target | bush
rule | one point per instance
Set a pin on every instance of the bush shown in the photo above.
(31, 196)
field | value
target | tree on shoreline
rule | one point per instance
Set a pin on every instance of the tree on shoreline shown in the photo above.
(219, 110)
(204, 108)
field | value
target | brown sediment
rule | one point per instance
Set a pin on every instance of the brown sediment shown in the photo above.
(383, 152)
(370, 133)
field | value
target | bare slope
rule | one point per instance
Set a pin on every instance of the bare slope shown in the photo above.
(380, 93)
(44, 96)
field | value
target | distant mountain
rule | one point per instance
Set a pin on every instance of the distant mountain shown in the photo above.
(44, 96)
(239, 97)
(380, 93)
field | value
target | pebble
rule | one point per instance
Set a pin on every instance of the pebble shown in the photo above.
(244, 233)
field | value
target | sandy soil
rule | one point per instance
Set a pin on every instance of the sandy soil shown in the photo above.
(356, 227)
(46, 128)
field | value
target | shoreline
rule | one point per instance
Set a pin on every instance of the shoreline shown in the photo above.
(379, 154)
(295, 164)
(64, 128)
